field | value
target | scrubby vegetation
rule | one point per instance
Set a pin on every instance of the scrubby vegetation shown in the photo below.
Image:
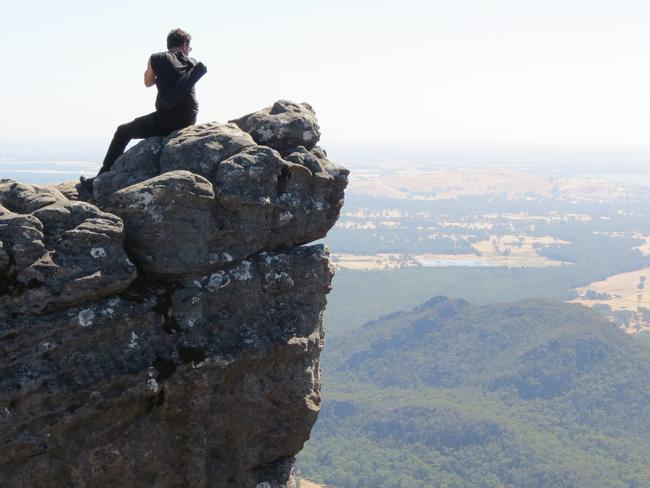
(451, 394)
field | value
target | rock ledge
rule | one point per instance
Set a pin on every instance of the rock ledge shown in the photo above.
(167, 332)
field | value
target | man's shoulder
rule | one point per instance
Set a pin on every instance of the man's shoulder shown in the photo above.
(160, 55)
(160, 61)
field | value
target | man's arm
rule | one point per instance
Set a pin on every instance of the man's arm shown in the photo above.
(149, 76)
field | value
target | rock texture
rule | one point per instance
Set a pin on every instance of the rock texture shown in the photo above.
(240, 197)
(282, 126)
(168, 333)
(58, 253)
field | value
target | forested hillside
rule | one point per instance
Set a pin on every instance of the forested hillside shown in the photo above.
(451, 394)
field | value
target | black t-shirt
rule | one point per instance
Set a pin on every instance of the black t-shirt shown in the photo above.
(169, 66)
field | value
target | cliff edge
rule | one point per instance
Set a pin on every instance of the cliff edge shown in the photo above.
(167, 331)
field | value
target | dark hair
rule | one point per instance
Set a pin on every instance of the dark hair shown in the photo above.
(177, 37)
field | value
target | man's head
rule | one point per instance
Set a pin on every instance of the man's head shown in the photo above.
(179, 40)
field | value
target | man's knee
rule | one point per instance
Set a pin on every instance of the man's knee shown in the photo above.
(122, 132)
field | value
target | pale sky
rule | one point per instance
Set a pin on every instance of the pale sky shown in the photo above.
(403, 72)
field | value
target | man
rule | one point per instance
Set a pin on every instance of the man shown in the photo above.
(174, 73)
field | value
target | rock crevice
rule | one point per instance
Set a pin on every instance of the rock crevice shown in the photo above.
(167, 331)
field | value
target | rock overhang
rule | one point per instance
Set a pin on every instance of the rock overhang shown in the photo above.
(180, 301)
(266, 197)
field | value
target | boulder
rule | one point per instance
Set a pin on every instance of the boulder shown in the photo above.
(270, 203)
(283, 125)
(60, 254)
(263, 199)
(23, 199)
(180, 224)
(200, 148)
(69, 189)
(329, 180)
(140, 163)
(170, 224)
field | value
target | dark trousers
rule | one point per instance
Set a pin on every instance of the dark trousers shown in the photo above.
(153, 124)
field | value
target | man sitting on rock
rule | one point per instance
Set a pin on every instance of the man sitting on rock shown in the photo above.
(174, 73)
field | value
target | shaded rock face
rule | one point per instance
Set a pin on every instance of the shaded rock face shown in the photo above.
(167, 334)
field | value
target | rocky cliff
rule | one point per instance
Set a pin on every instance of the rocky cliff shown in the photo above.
(167, 331)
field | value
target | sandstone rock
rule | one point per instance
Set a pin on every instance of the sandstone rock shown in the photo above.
(178, 224)
(4, 258)
(264, 199)
(140, 163)
(197, 148)
(271, 203)
(200, 148)
(285, 124)
(203, 371)
(315, 159)
(62, 254)
(211, 383)
(20, 198)
(68, 189)
(170, 224)
(329, 180)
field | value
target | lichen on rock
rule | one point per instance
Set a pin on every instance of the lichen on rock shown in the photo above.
(263, 199)
(51, 250)
(283, 125)
(168, 332)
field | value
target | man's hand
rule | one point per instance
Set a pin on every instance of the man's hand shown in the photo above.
(201, 68)
(149, 76)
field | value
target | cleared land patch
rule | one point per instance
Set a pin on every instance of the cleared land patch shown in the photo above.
(508, 250)
(517, 251)
(310, 484)
(645, 247)
(621, 292)
(372, 262)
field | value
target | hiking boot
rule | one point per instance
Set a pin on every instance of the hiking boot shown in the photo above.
(85, 187)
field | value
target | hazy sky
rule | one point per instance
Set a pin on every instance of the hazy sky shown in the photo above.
(453, 71)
